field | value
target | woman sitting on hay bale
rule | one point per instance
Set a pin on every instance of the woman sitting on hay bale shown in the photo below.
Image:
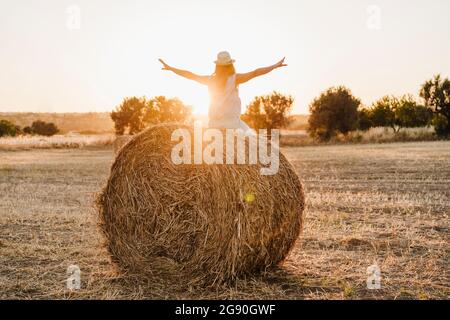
(203, 222)
(225, 106)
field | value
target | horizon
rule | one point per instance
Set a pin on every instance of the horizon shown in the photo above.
(80, 56)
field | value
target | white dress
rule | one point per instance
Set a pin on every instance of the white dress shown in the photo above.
(225, 107)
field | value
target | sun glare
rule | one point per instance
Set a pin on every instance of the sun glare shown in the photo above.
(198, 102)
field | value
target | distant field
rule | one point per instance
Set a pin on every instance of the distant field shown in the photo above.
(298, 122)
(297, 138)
(87, 123)
(99, 122)
(374, 203)
(70, 141)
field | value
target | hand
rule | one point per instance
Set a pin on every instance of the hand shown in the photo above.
(280, 64)
(165, 65)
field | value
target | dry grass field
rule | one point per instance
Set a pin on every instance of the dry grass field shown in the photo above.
(372, 203)
(56, 142)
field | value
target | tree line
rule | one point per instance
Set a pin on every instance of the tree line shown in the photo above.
(338, 111)
(41, 128)
(335, 111)
(134, 113)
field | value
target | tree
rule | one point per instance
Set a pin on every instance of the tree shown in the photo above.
(382, 112)
(440, 124)
(364, 121)
(269, 111)
(27, 130)
(128, 115)
(436, 94)
(160, 109)
(8, 128)
(397, 113)
(134, 114)
(43, 128)
(409, 114)
(334, 111)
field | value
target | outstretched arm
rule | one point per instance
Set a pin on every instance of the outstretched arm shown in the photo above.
(244, 77)
(185, 74)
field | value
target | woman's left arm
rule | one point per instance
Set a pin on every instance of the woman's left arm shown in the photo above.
(186, 74)
(244, 77)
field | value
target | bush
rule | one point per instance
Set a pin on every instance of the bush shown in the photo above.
(134, 114)
(335, 111)
(382, 113)
(269, 111)
(364, 121)
(128, 115)
(27, 130)
(441, 126)
(436, 95)
(8, 128)
(397, 113)
(409, 114)
(42, 128)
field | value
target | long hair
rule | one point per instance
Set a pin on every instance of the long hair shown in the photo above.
(221, 75)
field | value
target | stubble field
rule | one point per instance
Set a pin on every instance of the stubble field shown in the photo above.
(384, 204)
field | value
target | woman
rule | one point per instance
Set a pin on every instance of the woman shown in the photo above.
(225, 104)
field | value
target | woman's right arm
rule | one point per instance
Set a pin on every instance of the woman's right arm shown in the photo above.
(186, 74)
(244, 77)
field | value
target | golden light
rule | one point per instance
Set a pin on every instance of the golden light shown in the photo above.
(249, 197)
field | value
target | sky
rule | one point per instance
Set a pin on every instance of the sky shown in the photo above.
(87, 55)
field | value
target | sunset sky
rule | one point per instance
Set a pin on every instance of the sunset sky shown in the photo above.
(49, 64)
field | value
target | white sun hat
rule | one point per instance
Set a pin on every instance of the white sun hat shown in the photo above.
(224, 58)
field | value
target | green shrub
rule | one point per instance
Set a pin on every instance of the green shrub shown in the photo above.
(334, 111)
(441, 126)
(43, 128)
(8, 129)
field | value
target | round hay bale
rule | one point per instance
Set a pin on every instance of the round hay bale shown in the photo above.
(215, 221)
(120, 141)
